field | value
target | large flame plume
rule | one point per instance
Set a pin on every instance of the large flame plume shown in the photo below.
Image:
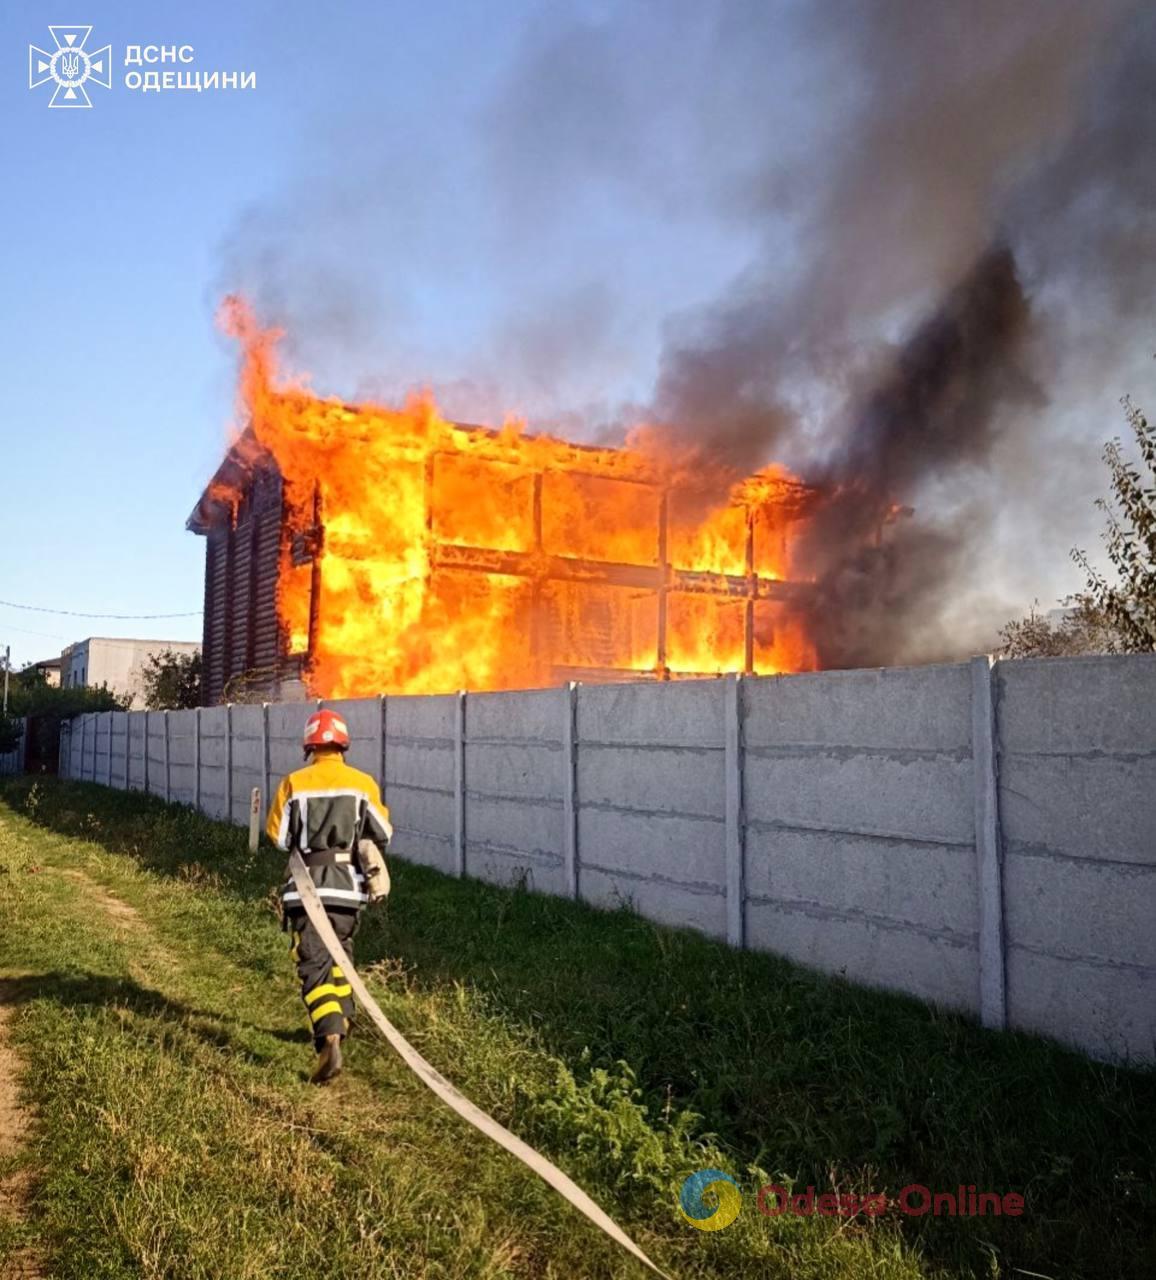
(425, 556)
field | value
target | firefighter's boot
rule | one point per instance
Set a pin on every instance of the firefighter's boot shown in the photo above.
(328, 1061)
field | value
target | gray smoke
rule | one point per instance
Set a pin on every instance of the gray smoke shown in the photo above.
(982, 135)
(933, 415)
(937, 223)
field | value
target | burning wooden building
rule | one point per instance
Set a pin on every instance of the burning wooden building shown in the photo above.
(352, 550)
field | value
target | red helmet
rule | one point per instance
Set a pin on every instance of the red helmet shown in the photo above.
(326, 728)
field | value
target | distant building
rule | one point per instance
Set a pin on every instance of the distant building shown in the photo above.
(115, 663)
(49, 668)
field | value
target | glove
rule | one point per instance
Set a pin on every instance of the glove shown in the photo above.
(374, 869)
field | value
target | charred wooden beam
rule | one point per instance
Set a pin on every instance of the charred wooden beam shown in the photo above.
(527, 564)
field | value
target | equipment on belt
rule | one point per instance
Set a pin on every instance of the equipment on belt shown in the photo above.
(373, 867)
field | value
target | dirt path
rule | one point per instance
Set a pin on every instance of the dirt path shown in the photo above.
(15, 1189)
(15, 1119)
(120, 911)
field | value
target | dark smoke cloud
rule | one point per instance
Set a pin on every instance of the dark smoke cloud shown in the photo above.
(934, 413)
(941, 226)
(978, 134)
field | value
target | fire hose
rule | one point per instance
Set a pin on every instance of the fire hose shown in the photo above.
(433, 1079)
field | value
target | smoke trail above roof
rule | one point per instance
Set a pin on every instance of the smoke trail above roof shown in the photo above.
(932, 227)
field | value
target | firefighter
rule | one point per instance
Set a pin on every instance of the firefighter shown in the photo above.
(333, 816)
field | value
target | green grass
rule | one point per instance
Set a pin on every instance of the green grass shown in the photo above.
(177, 1137)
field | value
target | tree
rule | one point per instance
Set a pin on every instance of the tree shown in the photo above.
(29, 694)
(172, 680)
(1108, 616)
(1082, 629)
(1129, 603)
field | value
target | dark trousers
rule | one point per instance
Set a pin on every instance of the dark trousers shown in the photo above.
(324, 986)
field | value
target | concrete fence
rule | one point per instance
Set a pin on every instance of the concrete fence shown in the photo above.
(13, 761)
(982, 837)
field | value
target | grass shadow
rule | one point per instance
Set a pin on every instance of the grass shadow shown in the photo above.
(90, 991)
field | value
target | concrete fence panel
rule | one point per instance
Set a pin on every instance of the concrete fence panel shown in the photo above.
(215, 784)
(860, 829)
(118, 758)
(101, 747)
(248, 733)
(1077, 794)
(157, 773)
(183, 756)
(135, 731)
(651, 800)
(982, 837)
(513, 788)
(422, 747)
(286, 725)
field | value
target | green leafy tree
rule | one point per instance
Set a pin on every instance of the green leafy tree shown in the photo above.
(30, 694)
(1108, 616)
(172, 680)
(1083, 628)
(1129, 603)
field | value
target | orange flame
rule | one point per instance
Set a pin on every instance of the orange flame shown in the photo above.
(425, 556)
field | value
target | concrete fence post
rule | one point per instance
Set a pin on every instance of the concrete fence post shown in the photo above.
(460, 785)
(381, 730)
(83, 742)
(266, 782)
(228, 762)
(988, 848)
(147, 737)
(108, 755)
(197, 759)
(168, 769)
(733, 766)
(570, 787)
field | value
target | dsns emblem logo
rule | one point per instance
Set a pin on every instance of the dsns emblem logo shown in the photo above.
(70, 66)
(710, 1200)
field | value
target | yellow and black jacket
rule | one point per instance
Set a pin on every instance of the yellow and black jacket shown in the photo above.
(323, 811)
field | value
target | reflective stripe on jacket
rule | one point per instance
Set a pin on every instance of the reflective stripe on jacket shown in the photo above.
(328, 807)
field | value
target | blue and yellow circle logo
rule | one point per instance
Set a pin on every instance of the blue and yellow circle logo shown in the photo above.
(710, 1200)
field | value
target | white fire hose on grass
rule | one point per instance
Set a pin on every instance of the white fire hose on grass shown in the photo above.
(549, 1173)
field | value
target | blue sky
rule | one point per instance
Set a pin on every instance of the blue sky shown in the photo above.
(122, 225)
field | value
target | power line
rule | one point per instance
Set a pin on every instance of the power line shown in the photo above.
(45, 635)
(120, 617)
